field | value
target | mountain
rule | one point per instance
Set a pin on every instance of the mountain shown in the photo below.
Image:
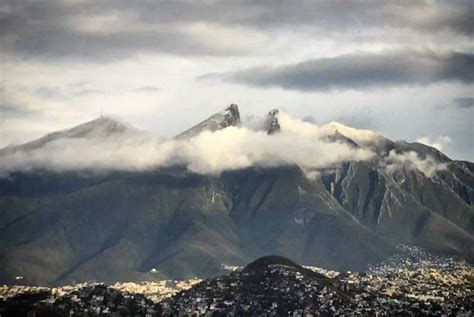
(59, 229)
(78, 225)
(230, 116)
(269, 262)
(407, 205)
(102, 127)
(273, 125)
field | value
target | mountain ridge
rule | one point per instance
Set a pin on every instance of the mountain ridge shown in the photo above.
(62, 227)
(97, 128)
(230, 116)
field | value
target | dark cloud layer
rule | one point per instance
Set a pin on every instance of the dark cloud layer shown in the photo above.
(464, 102)
(9, 109)
(359, 71)
(334, 15)
(53, 29)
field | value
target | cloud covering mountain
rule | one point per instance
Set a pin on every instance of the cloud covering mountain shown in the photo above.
(299, 143)
(105, 201)
(107, 145)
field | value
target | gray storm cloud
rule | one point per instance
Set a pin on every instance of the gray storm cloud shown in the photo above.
(109, 30)
(464, 102)
(358, 71)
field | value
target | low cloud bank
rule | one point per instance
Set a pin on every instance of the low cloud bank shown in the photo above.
(298, 143)
(412, 161)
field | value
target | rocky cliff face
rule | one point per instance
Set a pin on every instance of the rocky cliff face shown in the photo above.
(273, 126)
(230, 116)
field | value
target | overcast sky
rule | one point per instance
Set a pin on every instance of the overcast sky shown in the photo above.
(403, 68)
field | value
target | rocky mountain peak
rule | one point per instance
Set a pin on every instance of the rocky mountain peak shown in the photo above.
(230, 116)
(273, 125)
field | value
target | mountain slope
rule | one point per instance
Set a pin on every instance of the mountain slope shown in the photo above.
(102, 127)
(230, 116)
(121, 226)
(428, 205)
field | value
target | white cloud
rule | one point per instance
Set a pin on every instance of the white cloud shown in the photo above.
(411, 161)
(232, 148)
(440, 143)
(361, 137)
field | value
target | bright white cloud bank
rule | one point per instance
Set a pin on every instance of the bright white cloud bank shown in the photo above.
(411, 161)
(298, 143)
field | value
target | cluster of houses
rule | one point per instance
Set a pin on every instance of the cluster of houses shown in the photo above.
(156, 291)
(89, 300)
(282, 290)
(426, 290)
(415, 283)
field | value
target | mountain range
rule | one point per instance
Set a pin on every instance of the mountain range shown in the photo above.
(59, 226)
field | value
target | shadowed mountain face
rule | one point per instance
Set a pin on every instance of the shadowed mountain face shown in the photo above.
(268, 262)
(64, 227)
(407, 206)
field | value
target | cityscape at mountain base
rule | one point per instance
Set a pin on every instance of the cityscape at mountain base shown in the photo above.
(418, 284)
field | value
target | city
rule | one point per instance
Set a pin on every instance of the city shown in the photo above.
(416, 284)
